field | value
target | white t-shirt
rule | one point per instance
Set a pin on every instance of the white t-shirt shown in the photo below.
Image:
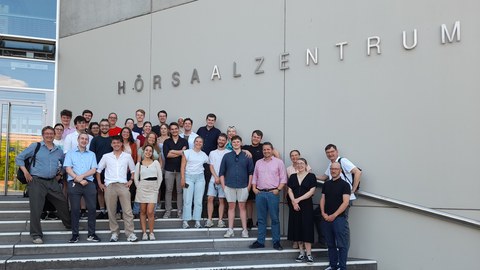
(215, 159)
(347, 167)
(195, 161)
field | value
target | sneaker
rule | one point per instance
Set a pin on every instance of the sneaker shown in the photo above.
(37, 240)
(277, 246)
(144, 237)
(309, 259)
(221, 224)
(249, 224)
(51, 216)
(43, 216)
(208, 223)
(114, 237)
(330, 268)
(74, 239)
(151, 236)
(245, 233)
(256, 244)
(101, 215)
(300, 258)
(167, 214)
(198, 225)
(93, 238)
(185, 225)
(179, 214)
(229, 233)
(136, 216)
(83, 215)
(132, 238)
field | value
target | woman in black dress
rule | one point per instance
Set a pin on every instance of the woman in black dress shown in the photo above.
(301, 187)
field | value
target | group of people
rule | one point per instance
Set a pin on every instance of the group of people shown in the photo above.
(106, 164)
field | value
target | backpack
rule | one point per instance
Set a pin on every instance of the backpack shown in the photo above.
(20, 174)
(344, 175)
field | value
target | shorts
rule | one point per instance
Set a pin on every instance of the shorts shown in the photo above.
(215, 190)
(236, 194)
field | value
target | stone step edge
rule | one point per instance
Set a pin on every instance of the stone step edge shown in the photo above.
(273, 266)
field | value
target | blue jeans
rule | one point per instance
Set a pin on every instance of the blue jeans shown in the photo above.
(267, 203)
(194, 193)
(337, 236)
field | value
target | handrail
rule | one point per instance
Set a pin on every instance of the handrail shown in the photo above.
(422, 209)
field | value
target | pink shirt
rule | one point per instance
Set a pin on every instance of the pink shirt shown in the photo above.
(269, 174)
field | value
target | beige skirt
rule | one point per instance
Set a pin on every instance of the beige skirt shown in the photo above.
(147, 192)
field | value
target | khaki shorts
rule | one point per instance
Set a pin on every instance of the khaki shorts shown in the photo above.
(236, 194)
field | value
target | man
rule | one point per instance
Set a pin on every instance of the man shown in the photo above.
(117, 187)
(42, 181)
(255, 150)
(140, 116)
(269, 178)
(333, 204)
(112, 120)
(180, 122)
(101, 145)
(215, 188)
(88, 115)
(209, 133)
(173, 148)
(65, 118)
(162, 118)
(236, 172)
(349, 172)
(71, 141)
(81, 164)
(188, 134)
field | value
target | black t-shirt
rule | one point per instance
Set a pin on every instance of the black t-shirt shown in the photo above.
(334, 191)
(100, 146)
(173, 164)
(210, 138)
(256, 151)
(137, 129)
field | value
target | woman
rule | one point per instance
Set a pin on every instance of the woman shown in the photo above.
(294, 156)
(163, 136)
(152, 141)
(57, 140)
(231, 131)
(94, 129)
(301, 187)
(130, 124)
(147, 180)
(147, 128)
(129, 145)
(193, 182)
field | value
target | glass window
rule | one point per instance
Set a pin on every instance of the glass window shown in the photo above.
(23, 119)
(27, 73)
(12, 95)
(33, 18)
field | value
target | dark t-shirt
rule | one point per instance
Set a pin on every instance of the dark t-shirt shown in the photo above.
(137, 129)
(334, 191)
(210, 138)
(173, 164)
(256, 151)
(155, 129)
(100, 146)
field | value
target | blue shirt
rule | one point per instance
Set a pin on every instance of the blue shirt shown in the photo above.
(47, 162)
(80, 162)
(236, 169)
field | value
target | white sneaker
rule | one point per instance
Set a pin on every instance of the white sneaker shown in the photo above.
(208, 223)
(132, 238)
(229, 233)
(185, 225)
(198, 225)
(114, 237)
(245, 233)
(144, 237)
(221, 224)
(152, 236)
(37, 240)
(167, 214)
(179, 213)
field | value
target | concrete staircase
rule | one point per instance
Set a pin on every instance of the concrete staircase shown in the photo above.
(175, 248)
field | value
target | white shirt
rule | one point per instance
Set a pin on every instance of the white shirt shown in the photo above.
(195, 161)
(215, 159)
(71, 141)
(191, 139)
(347, 167)
(116, 168)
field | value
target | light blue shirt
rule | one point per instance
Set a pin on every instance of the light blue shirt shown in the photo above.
(80, 162)
(47, 161)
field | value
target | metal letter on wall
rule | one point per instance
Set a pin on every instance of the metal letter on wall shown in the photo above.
(157, 81)
(340, 45)
(373, 45)
(195, 76)
(175, 78)
(138, 85)
(235, 74)
(404, 35)
(284, 61)
(215, 73)
(311, 56)
(455, 32)
(121, 88)
(260, 63)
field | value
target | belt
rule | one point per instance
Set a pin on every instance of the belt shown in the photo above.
(42, 178)
(267, 189)
(151, 179)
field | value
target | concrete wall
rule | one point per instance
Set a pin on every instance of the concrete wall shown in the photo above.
(408, 118)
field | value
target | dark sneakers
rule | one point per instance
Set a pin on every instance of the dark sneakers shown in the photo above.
(300, 258)
(277, 246)
(93, 238)
(74, 239)
(249, 224)
(256, 244)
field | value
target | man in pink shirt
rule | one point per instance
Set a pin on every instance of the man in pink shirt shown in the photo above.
(268, 180)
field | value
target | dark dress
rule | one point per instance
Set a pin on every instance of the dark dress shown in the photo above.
(300, 223)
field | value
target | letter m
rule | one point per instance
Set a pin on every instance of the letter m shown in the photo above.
(455, 32)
